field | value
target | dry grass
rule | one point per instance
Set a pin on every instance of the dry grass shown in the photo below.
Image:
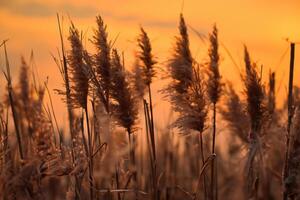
(117, 149)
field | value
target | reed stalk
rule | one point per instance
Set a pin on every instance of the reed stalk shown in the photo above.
(12, 102)
(290, 115)
(214, 92)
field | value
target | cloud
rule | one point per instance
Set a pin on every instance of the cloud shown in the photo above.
(37, 9)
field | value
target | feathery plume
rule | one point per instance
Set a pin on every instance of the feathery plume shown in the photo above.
(24, 82)
(180, 68)
(145, 55)
(43, 136)
(23, 103)
(42, 130)
(125, 106)
(255, 96)
(79, 79)
(214, 85)
(254, 91)
(193, 110)
(102, 56)
(138, 79)
(234, 114)
(180, 65)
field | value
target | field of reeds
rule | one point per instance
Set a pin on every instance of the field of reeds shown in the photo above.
(219, 143)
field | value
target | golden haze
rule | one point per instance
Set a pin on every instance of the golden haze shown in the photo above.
(262, 25)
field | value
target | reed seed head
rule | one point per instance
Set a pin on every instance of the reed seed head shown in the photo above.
(254, 91)
(102, 56)
(180, 64)
(124, 104)
(138, 79)
(214, 81)
(145, 55)
(78, 77)
(193, 106)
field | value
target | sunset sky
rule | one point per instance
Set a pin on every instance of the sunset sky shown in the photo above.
(262, 25)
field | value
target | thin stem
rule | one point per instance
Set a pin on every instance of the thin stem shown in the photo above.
(65, 75)
(206, 163)
(131, 152)
(90, 148)
(290, 114)
(146, 113)
(12, 103)
(152, 123)
(117, 181)
(96, 131)
(203, 162)
(55, 120)
(66, 80)
(148, 138)
(5, 142)
(213, 152)
(132, 158)
(83, 138)
(154, 175)
(217, 189)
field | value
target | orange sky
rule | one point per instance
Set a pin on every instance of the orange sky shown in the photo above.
(262, 25)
